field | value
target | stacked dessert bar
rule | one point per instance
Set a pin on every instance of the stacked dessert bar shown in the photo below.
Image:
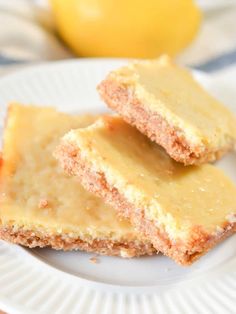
(150, 164)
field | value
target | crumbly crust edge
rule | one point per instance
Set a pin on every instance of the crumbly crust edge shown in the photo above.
(33, 239)
(122, 99)
(95, 181)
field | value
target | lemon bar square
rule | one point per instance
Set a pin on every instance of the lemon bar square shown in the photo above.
(168, 105)
(40, 205)
(184, 211)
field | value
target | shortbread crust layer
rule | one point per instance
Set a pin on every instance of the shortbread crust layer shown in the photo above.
(65, 242)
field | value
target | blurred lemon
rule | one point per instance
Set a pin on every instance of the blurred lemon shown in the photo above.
(126, 28)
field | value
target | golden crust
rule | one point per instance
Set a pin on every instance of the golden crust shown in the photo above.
(184, 254)
(123, 100)
(32, 239)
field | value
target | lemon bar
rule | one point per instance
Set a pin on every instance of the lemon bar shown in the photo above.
(165, 103)
(184, 211)
(40, 205)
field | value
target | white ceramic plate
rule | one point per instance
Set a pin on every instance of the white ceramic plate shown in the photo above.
(46, 281)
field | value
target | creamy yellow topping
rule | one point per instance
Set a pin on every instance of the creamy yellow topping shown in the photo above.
(172, 92)
(36, 194)
(175, 197)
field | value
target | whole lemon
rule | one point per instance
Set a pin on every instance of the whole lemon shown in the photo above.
(126, 28)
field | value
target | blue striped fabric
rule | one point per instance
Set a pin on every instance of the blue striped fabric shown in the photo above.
(8, 61)
(218, 63)
(215, 64)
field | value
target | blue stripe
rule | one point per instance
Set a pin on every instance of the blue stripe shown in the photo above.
(8, 61)
(217, 63)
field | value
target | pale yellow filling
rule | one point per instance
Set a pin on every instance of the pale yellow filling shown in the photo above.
(172, 92)
(35, 193)
(175, 197)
